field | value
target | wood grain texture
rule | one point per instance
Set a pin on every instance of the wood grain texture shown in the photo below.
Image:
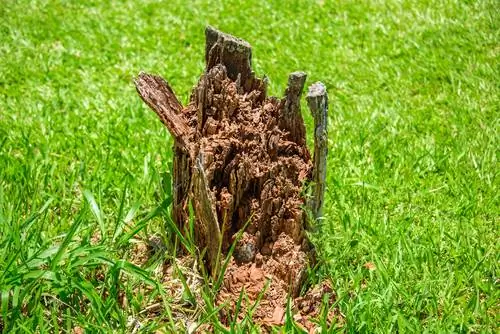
(158, 95)
(317, 99)
(291, 119)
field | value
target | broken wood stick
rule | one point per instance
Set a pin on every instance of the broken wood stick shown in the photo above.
(291, 118)
(317, 99)
(158, 95)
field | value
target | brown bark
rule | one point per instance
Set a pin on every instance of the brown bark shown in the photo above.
(159, 96)
(240, 157)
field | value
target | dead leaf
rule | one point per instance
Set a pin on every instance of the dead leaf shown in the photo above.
(78, 330)
(370, 266)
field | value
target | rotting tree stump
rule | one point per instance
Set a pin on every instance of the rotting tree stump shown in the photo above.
(241, 160)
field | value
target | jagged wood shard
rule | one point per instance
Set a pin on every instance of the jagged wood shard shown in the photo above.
(234, 53)
(158, 95)
(291, 119)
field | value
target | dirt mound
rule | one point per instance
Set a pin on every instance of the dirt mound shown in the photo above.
(267, 282)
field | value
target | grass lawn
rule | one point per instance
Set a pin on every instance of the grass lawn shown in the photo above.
(412, 206)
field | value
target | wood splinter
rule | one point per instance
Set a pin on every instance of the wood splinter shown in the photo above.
(317, 99)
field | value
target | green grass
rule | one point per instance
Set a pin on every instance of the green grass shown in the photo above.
(413, 147)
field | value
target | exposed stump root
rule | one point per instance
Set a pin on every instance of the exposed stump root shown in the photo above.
(241, 160)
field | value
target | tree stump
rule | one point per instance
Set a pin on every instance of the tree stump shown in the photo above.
(241, 160)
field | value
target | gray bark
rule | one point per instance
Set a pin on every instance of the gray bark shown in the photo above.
(291, 119)
(317, 99)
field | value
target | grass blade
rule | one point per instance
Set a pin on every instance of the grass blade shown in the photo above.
(74, 227)
(96, 211)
